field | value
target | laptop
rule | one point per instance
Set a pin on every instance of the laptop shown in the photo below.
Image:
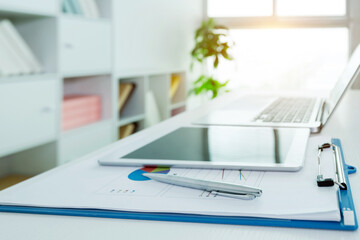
(284, 111)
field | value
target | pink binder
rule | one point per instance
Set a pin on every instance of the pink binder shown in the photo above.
(79, 110)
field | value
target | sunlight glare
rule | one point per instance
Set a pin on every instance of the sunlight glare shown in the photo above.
(239, 8)
(311, 7)
(294, 59)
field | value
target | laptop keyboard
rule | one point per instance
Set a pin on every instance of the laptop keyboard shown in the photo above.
(288, 110)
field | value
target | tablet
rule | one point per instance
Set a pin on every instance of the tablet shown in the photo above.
(220, 147)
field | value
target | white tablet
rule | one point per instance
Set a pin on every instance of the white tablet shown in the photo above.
(221, 147)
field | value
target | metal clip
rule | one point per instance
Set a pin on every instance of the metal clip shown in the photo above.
(339, 173)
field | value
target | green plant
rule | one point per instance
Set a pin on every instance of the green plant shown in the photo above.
(211, 42)
(205, 83)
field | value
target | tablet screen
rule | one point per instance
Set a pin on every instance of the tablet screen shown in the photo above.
(219, 144)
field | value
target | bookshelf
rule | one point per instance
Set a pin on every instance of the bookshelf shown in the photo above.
(150, 103)
(79, 55)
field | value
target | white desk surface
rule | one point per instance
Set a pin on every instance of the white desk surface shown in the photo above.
(344, 124)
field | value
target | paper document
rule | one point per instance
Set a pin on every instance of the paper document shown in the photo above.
(286, 195)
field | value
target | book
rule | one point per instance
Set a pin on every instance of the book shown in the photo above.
(76, 7)
(125, 91)
(94, 10)
(174, 85)
(178, 110)
(127, 130)
(11, 180)
(21, 46)
(78, 113)
(71, 102)
(9, 41)
(7, 63)
(79, 110)
(67, 6)
(85, 8)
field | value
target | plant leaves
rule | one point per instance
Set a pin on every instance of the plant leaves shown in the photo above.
(211, 41)
(208, 84)
(216, 61)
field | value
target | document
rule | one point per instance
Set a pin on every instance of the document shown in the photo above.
(286, 195)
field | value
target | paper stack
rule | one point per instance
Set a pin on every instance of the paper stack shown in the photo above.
(86, 185)
(79, 110)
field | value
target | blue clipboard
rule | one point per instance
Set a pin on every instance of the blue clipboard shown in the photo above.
(346, 206)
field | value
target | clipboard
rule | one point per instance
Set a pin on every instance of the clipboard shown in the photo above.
(346, 206)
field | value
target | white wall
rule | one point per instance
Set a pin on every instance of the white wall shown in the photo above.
(155, 35)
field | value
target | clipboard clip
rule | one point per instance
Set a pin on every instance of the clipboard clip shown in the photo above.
(339, 169)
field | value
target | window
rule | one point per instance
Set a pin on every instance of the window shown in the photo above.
(284, 44)
(239, 8)
(311, 7)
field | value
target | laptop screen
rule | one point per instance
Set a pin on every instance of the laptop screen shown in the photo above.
(348, 74)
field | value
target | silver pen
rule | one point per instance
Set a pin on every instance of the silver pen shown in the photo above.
(214, 187)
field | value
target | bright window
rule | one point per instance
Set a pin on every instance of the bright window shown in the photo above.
(239, 8)
(299, 45)
(311, 7)
(296, 59)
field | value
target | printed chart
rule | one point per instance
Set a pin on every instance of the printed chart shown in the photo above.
(249, 178)
(137, 175)
(132, 183)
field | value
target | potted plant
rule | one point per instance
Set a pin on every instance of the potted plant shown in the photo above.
(212, 42)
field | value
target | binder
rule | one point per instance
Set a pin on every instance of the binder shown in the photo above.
(346, 205)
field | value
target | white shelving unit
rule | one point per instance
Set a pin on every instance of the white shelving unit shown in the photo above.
(29, 108)
(79, 141)
(78, 56)
(29, 8)
(159, 85)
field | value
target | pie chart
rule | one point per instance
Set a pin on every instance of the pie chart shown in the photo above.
(137, 175)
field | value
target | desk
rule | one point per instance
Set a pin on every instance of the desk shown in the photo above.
(344, 124)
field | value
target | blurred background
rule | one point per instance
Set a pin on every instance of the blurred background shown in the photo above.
(77, 75)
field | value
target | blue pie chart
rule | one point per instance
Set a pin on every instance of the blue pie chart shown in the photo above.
(137, 175)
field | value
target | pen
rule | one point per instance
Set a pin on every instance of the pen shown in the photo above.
(219, 188)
